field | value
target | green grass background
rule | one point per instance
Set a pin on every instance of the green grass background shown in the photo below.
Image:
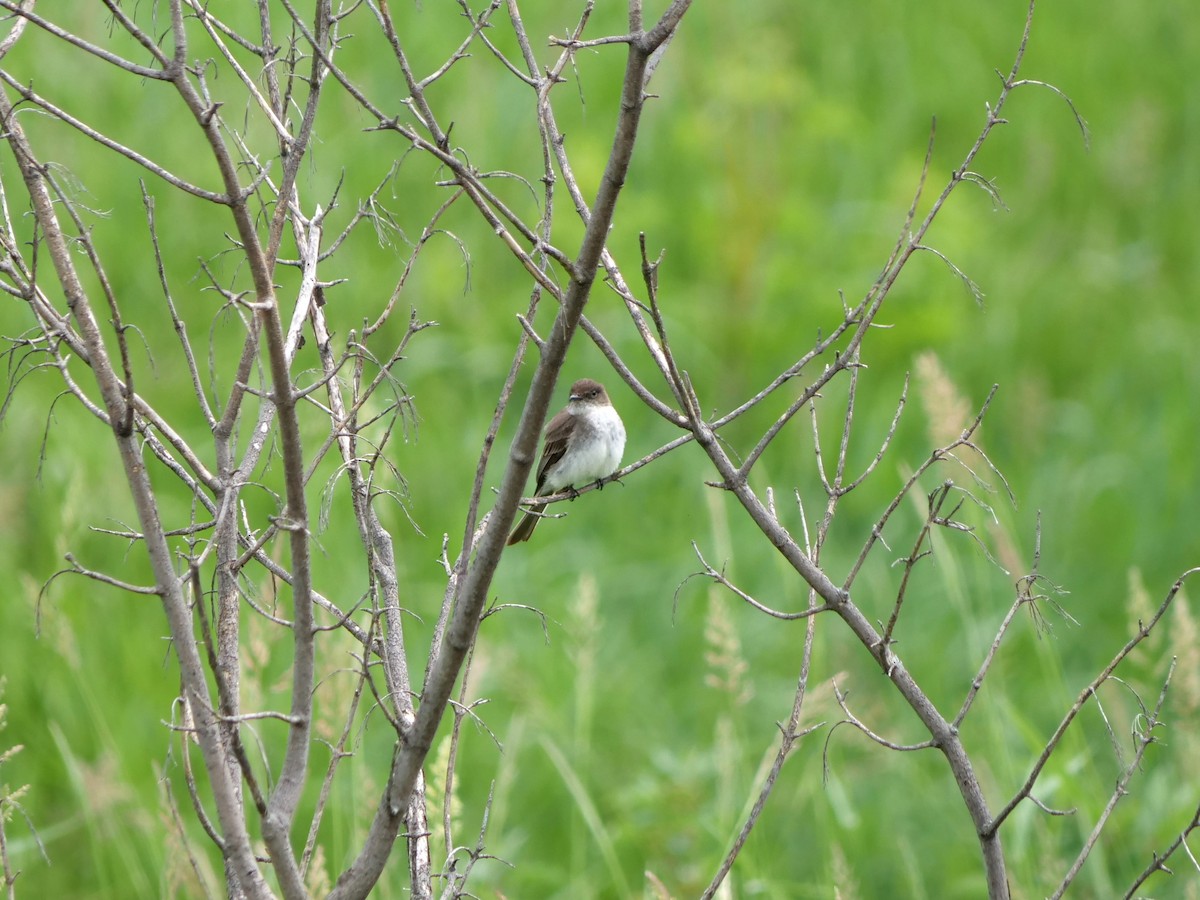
(775, 168)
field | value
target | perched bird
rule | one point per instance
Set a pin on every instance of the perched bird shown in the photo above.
(584, 443)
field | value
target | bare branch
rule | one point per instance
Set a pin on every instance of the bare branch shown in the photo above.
(25, 11)
(1143, 632)
(1159, 863)
(852, 719)
(719, 578)
(790, 734)
(83, 128)
(1143, 737)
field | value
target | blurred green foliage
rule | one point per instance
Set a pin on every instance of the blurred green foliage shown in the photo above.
(774, 167)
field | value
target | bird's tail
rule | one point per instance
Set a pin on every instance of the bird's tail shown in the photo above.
(524, 529)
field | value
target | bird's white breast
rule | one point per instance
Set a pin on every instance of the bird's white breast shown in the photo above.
(592, 456)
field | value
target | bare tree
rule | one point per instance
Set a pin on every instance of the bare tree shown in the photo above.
(255, 90)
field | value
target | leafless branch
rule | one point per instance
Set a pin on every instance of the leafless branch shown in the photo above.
(1143, 631)
(1159, 862)
(852, 719)
(790, 734)
(1144, 736)
(721, 579)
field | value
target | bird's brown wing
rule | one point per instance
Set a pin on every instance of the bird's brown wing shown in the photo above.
(558, 433)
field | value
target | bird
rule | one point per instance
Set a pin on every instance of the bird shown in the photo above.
(583, 443)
